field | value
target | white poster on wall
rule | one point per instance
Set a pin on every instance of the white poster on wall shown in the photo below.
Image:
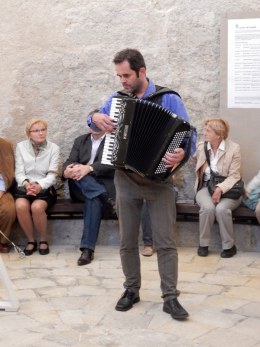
(243, 63)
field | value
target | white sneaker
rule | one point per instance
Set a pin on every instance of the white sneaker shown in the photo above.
(147, 251)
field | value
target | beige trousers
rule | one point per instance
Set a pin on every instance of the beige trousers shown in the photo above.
(222, 212)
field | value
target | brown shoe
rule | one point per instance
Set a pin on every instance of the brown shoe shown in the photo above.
(147, 251)
(4, 248)
(86, 257)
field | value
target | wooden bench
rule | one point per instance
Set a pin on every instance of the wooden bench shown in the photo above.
(69, 209)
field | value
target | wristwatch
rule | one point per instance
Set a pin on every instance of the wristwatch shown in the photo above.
(91, 168)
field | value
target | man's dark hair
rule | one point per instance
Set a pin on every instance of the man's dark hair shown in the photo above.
(134, 58)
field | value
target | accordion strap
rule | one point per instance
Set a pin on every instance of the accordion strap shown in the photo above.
(159, 91)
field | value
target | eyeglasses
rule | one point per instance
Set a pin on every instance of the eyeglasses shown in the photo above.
(37, 131)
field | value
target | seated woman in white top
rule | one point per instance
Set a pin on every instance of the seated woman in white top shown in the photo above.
(36, 169)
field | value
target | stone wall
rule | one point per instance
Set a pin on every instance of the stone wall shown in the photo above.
(56, 59)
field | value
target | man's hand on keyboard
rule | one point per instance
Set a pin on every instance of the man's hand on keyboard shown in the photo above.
(103, 122)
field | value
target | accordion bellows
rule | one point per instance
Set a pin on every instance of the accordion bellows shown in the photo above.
(144, 132)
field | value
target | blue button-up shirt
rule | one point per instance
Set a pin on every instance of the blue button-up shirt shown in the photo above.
(169, 101)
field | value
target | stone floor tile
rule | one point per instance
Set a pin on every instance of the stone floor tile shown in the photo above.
(250, 327)
(24, 295)
(201, 288)
(45, 317)
(250, 310)
(221, 318)
(187, 330)
(254, 283)
(225, 338)
(65, 338)
(225, 279)
(116, 283)
(74, 317)
(35, 305)
(52, 292)
(246, 293)
(140, 338)
(21, 338)
(200, 267)
(13, 322)
(224, 302)
(86, 290)
(33, 283)
(66, 281)
(187, 276)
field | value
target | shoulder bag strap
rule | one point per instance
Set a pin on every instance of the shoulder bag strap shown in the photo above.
(207, 155)
(206, 152)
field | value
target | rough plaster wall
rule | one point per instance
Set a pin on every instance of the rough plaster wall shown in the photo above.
(56, 59)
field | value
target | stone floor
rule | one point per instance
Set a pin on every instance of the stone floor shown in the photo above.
(61, 304)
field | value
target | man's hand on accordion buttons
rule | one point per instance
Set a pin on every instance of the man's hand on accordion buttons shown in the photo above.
(174, 159)
(103, 122)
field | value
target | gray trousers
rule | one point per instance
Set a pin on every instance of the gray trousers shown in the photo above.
(131, 190)
(222, 212)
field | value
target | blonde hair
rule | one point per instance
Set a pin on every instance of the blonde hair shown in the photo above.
(220, 126)
(32, 122)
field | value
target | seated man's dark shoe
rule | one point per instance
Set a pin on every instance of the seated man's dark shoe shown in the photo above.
(203, 251)
(174, 308)
(228, 253)
(126, 301)
(86, 257)
(31, 250)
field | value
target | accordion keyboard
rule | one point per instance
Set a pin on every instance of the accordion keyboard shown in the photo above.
(110, 137)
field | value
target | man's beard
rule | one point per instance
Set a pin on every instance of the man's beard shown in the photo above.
(135, 89)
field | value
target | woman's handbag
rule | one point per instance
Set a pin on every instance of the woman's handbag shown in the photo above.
(252, 199)
(234, 193)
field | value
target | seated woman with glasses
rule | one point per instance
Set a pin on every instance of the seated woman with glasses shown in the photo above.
(36, 169)
(225, 160)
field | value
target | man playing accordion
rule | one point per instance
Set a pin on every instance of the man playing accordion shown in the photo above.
(132, 189)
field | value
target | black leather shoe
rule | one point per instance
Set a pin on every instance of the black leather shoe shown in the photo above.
(126, 301)
(86, 257)
(174, 308)
(228, 253)
(30, 251)
(203, 251)
(44, 251)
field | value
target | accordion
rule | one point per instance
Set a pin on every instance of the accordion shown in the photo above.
(144, 132)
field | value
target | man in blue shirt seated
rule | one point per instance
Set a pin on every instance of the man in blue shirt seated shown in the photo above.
(132, 189)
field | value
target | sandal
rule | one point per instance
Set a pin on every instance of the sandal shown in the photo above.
(44, 251)
(30, 251)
